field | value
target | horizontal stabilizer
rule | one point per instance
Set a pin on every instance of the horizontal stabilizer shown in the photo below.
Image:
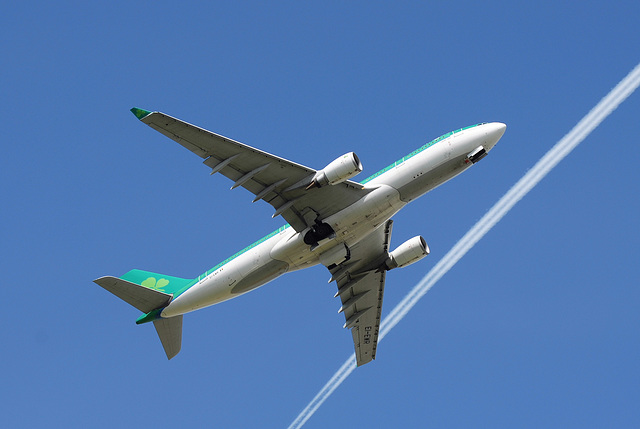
(170, 333)
(142, 298)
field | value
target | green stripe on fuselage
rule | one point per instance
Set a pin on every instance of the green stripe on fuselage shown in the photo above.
(246, 249)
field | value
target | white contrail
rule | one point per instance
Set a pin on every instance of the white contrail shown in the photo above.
(561, 149)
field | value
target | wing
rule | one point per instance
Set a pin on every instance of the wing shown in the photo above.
(279, 182)
(361, 289)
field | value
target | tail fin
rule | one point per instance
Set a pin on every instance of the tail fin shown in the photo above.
(150, 292)
(167, 284)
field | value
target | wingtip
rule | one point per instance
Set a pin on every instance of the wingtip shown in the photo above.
(140, 113)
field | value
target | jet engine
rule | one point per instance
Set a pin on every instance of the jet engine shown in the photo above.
(339, 170)
(407, 253)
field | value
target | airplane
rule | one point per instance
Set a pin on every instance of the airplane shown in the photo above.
(331, 220)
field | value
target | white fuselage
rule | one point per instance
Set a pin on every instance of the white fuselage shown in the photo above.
(286, 250)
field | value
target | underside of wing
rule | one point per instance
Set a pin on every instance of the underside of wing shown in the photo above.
(282, 183)
(360, 283)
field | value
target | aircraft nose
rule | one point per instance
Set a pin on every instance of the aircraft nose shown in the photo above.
(494, 132)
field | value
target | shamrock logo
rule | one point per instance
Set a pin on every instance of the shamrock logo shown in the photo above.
(152, 283)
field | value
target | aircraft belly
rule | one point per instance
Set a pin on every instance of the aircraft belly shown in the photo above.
(360, 219)
(350, 225)
(246, 272)
(433, 178)
(260, 276)
(292, 250)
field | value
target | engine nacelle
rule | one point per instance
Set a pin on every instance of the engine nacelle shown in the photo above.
(407, 253)
(339, 170)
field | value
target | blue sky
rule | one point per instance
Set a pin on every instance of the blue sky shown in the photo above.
(538, 326)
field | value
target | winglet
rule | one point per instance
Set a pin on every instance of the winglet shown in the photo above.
(140, 113)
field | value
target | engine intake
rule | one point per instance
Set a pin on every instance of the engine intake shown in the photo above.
(339, 170)
(407, 253)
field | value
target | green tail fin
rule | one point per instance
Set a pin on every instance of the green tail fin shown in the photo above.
(166, 284)
(142, 298)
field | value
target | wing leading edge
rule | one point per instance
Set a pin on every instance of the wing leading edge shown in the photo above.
(279, 182)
